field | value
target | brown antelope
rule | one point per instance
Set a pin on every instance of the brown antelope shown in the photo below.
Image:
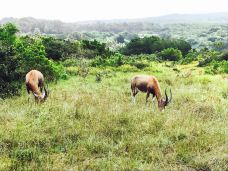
(34, 81)
(150, 85)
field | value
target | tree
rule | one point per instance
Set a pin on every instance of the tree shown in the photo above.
(18, 55)
(171, 54)
(57, 49)
(32, 55)
(153, 44)
(120, 39)
(8, 61)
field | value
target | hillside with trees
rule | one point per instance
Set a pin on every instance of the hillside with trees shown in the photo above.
(204, 30)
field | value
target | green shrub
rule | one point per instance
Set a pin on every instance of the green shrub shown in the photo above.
(57, 49)
(8, 62)
(98, 61)
(217, 67)
(104, 74)
(205, 58)
(18, 55)
(96, 48)
(83, 68)
(127, 68)
(191, 56)
(114, 61)
(171, 54)
(141, 64)
(153, 44)
(72, 70)
(32, 55)
(224, 56)
(70, 62)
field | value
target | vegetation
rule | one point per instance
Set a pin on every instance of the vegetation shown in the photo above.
(149, 45)
(171, 54)
(8, 61)
(90, 124)
(19, 55)
(208, 30)
(89, 121)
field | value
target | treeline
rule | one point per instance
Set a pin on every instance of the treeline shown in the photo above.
(198, 34)
(29, 25)
(149, 45)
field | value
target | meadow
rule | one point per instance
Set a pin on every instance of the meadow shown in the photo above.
(91, 124)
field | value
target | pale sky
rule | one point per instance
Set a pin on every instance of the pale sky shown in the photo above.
(78, 10)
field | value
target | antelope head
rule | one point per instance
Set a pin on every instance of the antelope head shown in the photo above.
(42, 97)
(165, 101)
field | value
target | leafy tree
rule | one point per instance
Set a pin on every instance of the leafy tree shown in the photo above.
(18, 55)
(120, 39)
(57, 49)
(149, 45)
(170, 54)
(8, 61)
(32, 55)
(97, 48)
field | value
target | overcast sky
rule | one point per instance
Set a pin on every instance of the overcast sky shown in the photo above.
(78, 10)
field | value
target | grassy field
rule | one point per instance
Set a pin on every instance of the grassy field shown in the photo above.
(90, 125)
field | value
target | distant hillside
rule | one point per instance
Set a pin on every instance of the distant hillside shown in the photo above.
(201, 30)
(29, 25)
(191, 18)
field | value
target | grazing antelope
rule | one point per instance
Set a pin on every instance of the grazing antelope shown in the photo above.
(34, 81)
(150, 85)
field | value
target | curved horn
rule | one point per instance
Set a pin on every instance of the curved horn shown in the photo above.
(166, 97)
(35, 94)
(170, 96)
(45, 93)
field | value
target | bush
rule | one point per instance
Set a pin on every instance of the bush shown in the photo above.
(70, 62)
(96, 48)
(209, 56)
(191, 56)
(153, 44)
(57, 49)
(8, 62)
(224, 56)
(217, 67)
(83, 68)
(72, 70)
(114, 61)
(127, 68)
(32, 55)
(141, 64)
(104, 74)
(18, 55)
(170, 54)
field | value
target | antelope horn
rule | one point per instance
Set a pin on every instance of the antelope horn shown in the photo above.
(170, 96)
(45, 93)
(35, 94)
(166, 97)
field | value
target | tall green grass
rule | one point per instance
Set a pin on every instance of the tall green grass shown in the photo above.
(90, 125)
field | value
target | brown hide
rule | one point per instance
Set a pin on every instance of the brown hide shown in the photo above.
(34, 81)
(149, 85)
